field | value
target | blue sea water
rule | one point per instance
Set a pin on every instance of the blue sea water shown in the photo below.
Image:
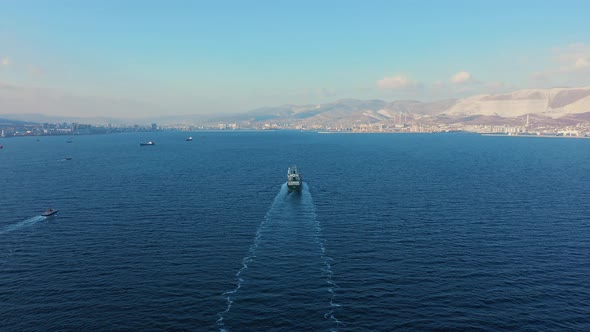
(390, 232)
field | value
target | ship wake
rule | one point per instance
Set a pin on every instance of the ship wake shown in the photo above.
(229, 295)
(327, 269)
(22, 224)
(285, 272)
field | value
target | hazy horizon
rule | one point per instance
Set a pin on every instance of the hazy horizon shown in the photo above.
(147, 59)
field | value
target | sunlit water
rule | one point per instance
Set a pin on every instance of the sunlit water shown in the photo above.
(410, 232)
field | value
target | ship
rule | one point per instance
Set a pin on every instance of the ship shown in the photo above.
(49, 213)
(190, 138)
(293, 179)
(147, 144)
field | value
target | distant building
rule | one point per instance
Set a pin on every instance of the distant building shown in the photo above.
(154, 127)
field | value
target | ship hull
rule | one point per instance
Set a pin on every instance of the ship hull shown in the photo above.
(294, 187)
(49, 214)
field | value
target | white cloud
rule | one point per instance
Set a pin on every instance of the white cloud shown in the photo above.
(582, 63)
(461, 84)
(496, 85)
(396, 82)
(568, 66)
(36, 71)
(29, 99)
(326, 92)
(574, 57)
(462, 77)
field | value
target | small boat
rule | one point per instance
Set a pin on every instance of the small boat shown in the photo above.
(1, 147)
(293, 179)
(49, 213)
(68, 158)
(147, 144)
(69, 141)
(189, 139)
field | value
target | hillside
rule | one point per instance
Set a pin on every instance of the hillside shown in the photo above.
(557, 106)
(551, 106)
(553, 103)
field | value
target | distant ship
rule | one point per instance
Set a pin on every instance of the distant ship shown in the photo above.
(49, 213)
(69, 140)
(190, 138)
(293, 179)
(147, 144)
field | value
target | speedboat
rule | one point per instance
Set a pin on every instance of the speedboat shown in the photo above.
(49, 213)
(147, 144)
(190, 138)
(293, 179)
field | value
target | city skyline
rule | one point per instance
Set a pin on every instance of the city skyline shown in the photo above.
(138, 59)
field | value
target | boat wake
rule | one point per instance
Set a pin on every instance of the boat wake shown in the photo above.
(327, 270)
(22, 224)
(246, 260)
(279, 266)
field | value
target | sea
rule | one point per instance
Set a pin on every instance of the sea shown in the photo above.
(408, 232)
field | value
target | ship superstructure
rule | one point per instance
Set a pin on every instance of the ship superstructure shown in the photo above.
(293, 179)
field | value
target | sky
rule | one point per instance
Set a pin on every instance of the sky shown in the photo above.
(138, 58)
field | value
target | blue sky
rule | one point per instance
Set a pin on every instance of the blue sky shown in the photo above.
(137, 58)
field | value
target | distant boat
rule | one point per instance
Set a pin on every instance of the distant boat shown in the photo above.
(68, 158)
(293, 179)
(69, 141)
(190, 138)
(1, 146)
(147, 144)
(49, 213)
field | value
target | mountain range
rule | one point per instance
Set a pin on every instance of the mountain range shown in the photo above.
(555, 106)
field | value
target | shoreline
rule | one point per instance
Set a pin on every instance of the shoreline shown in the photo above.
(535, 136)
(309, 131)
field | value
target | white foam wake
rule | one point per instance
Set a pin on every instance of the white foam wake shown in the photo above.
(327, 272)
(22, 224)
(246, 260)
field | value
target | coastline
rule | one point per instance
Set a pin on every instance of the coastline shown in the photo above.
(535, 136)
